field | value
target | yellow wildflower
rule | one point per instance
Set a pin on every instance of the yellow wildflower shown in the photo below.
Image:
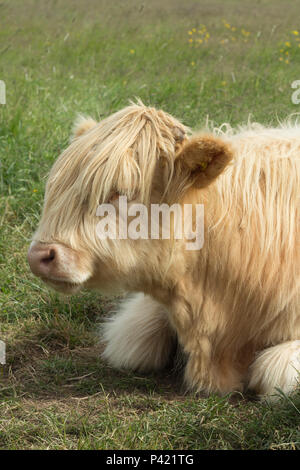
(244, 32)
(296, 33)
(132, 51)
(288, 44)
(192, 63)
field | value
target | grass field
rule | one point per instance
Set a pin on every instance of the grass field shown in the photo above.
(216, 60)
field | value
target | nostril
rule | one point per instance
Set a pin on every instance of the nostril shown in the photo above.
(43, 259)
(49, 257)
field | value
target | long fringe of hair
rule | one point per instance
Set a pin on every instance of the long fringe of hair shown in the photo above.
(118, 155)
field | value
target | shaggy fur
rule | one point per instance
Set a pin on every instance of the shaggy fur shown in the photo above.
(233, 305)
(276, 367)
(139, 335)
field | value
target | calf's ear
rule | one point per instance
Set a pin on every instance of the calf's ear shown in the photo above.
(82, 125)
(201, 159)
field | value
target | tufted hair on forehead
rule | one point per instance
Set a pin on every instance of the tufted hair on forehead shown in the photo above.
(116, 155)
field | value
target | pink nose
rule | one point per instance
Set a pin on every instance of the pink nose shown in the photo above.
(42, 259)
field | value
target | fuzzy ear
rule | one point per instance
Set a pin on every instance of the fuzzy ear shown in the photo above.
(202, 158)
(82, 125)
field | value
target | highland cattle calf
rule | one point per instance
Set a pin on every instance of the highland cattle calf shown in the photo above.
(233, 305)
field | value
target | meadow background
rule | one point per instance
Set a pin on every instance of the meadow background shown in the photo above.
(218, 60)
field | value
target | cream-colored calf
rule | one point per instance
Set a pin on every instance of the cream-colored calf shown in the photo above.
(233, 305)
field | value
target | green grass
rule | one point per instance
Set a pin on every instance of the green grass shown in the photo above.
(59, 58)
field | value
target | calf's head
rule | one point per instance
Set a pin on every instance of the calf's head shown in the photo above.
(138, 152)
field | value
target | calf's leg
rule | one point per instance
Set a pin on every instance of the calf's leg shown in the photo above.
(277, 367)
(212, 376)
(138, 336)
